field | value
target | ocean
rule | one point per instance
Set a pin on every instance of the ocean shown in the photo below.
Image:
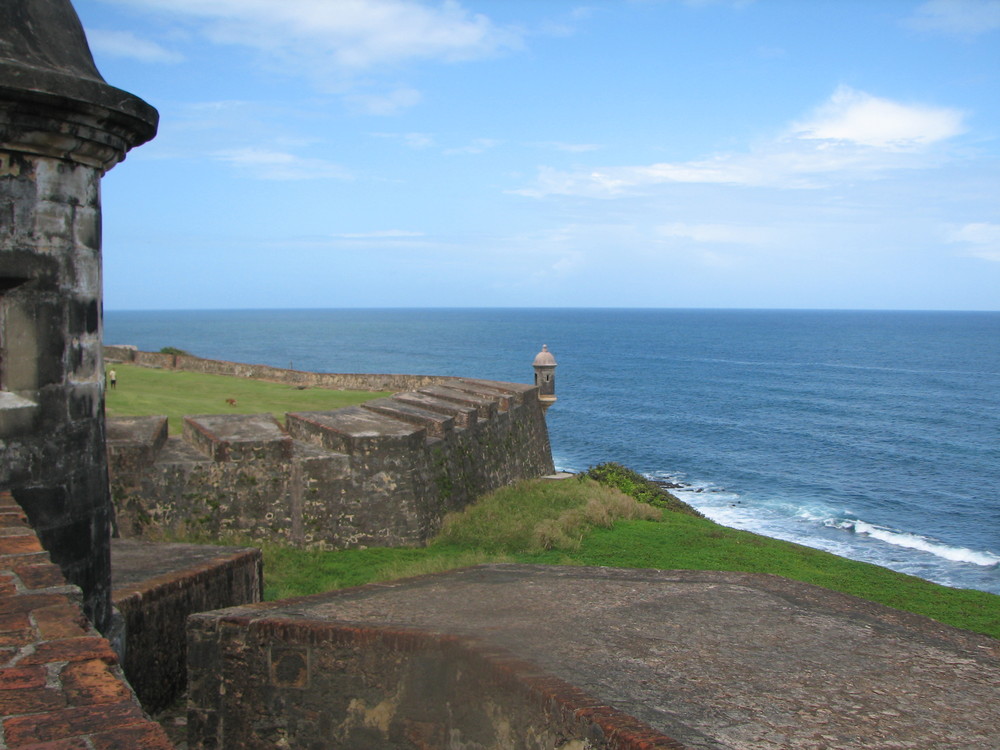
(873, 435)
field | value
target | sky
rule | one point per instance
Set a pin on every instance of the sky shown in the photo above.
(831, 154)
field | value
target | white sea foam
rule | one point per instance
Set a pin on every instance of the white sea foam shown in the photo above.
(917, 542)
(726, 507)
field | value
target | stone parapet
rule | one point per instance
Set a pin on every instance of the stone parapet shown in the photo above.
(243, 437)
(336, 381)
(156, 587)
(61, 686)
(541, 656)
(384, 473)
(134, 442)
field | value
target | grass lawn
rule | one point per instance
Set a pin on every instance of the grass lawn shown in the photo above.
(521, 524)
(144, 391)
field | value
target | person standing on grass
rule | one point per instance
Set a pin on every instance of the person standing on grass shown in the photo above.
(113, 379)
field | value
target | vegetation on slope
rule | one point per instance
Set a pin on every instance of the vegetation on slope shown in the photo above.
(145, 391)
(635, 485)
(548, 522)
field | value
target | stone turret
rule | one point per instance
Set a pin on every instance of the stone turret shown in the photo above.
(61, 128)
(545, 376)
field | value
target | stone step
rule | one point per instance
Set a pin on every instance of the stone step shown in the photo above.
(438, 425)
(507, 395)
(238, 437)
(520, 391)
(486, 408)
(355, 430)
(465, 415)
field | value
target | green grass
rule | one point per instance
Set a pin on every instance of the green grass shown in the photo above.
(144, 391)
(505, 527)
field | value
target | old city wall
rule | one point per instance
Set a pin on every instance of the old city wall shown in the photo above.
(384, 473)
(336, 381)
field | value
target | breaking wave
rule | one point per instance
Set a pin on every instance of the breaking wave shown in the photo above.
(915, 541)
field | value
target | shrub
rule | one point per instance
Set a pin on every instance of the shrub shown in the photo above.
(637, 486)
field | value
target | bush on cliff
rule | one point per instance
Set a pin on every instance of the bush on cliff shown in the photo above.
(634, 484)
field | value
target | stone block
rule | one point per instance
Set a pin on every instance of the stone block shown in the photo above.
(355, 430)
(156, 587)
(437, 425)
(485, 407)
(239, 437)
(465, 415)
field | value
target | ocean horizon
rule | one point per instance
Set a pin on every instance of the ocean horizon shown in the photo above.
(871, 434)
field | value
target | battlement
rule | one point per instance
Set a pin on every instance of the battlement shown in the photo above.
(385, 472)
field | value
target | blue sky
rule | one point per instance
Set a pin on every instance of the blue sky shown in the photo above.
(644, 153)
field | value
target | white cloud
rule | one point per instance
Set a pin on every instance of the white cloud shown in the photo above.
(982, 239)
(353, 34)
(851, 115)
(266, 164)
(128, 45)
(962, 17)
(853, 135)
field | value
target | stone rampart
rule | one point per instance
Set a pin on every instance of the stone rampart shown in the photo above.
(569, 657)
(263, 681)
(384, 473)
(336, 381)
(155, 587)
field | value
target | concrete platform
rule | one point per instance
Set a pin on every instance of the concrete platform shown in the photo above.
(702, 659)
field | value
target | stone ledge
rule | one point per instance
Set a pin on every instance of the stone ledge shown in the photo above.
(703, 659)
(156, 587)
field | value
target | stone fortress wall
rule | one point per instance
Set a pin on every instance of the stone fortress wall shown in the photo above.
(384, 473)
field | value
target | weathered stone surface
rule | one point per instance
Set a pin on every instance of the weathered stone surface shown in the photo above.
(134, 442)
(156, 587)
(384, 473)
(538, 656)
(437, 425)
(239, 437)
(61, 128)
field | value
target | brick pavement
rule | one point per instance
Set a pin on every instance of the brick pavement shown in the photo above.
(61, 687)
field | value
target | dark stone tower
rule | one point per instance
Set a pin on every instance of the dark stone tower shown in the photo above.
(61, 128)
(545, 376)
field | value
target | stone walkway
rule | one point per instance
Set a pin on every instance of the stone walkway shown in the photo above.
(711, 659)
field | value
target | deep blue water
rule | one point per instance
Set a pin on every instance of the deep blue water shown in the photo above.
(875, 435)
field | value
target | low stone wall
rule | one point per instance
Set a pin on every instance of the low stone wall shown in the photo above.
(381, 474)
(60, 683)
(335, 381)
(155, 588)
(260, 682)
